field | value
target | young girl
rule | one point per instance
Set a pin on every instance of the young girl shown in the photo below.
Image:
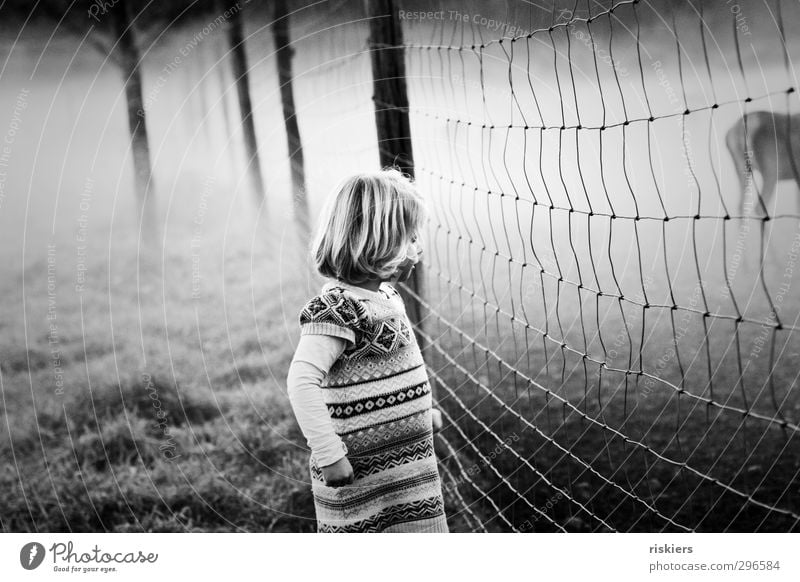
(357, 383)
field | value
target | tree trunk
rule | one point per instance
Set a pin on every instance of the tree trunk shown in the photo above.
(241, 79)
(224, 104)
(391, 112)
(129, 62)
(284, 58)
(198, 69)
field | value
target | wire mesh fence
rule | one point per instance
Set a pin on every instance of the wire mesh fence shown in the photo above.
(609, 306)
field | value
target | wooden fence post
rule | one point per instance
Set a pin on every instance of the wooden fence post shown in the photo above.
(391, 113)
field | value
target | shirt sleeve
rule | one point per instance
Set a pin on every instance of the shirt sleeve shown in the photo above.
(313, 358)
(332, 313)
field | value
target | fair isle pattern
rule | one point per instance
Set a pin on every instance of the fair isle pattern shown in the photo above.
(380, 460)
(371, 388)
(371, 368)
(368, 404)
(379, 400)
(416, 511)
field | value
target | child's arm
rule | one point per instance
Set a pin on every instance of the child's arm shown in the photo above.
(436, 419)
(313, 359)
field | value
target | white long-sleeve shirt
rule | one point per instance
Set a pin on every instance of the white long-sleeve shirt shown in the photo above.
(312, 360)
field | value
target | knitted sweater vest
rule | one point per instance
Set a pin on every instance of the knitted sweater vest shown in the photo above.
(379, 401)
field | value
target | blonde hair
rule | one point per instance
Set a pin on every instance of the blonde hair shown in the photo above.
(366, 227)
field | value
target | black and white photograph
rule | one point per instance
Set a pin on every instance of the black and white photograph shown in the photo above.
(393, 266)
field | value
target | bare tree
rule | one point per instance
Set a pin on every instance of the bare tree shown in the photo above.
(197, 70)
(129, 62)
(285, 52)
(222, 80)
(116, 30)
(235, 32)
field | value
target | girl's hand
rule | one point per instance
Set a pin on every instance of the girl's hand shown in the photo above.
(436, 417)
(338, 474)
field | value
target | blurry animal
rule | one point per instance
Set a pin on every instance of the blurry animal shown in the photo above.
(768, 143)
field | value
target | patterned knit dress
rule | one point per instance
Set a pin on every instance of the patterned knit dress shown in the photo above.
(379, 400)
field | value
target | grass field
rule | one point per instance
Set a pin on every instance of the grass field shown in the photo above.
(172, 414)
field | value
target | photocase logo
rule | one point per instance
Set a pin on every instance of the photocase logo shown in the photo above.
(31, 555)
